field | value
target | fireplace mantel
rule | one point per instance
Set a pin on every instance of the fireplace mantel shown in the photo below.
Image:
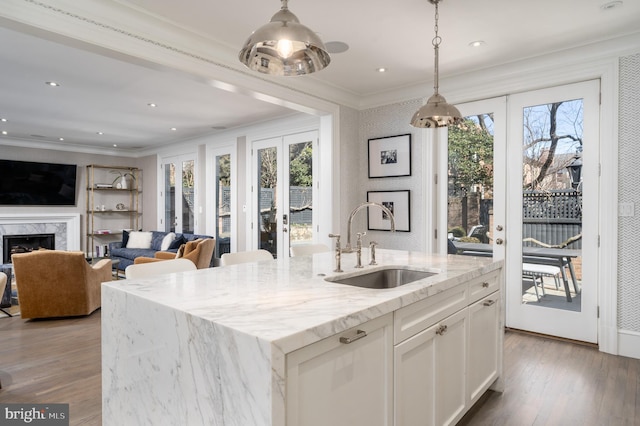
(65, 226)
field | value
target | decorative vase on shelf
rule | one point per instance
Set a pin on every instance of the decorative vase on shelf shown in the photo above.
(122, 181)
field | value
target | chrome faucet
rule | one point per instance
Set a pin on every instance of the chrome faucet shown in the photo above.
(359, 249)
(348, 248)
(338, 252)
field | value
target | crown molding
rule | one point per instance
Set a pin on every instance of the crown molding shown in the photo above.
(113, 29)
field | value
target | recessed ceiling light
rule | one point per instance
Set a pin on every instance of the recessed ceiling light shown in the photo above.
(52, 83)
(60, 139)
(4, 120)
(115, 145)
(4, 132)
(99, 133)
(152, 105)
(336, 46)
(382, 69)
(173, 129)
(611, 5)
(477, 43)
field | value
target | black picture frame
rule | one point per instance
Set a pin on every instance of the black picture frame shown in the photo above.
(390, 156)
(399, 202)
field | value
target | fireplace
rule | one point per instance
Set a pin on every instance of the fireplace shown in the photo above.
(12, 244)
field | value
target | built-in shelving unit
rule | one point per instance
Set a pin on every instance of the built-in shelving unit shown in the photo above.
(113, 205)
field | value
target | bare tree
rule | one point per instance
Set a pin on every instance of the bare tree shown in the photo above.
(548, 129)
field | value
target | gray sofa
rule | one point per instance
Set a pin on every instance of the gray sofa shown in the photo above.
(118, 250)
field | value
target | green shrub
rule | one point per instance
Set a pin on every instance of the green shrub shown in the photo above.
(458, 231)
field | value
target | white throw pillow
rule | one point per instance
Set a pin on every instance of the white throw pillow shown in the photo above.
(167, 240)
(140, 240)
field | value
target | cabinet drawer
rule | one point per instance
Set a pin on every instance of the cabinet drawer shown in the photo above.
(418, 316)
(484, 285)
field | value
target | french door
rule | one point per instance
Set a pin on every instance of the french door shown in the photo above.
(523, 186)
(552, 210)
(178, 194)
(222, 200)
(283, 192)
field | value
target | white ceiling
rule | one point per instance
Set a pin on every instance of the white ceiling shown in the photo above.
(101, 93)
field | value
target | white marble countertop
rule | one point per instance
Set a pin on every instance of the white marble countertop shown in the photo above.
(287, 303)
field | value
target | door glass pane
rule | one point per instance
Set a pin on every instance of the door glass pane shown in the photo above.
(267, 199)
(223, 204)
(188, 197)
(170, 197)
(300, 193)
(470, 182)
(552, 205)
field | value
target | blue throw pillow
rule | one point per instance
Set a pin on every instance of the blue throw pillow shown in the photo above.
(156, 239)
(175, 244)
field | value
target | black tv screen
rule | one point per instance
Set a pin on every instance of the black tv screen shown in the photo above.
(37, 184)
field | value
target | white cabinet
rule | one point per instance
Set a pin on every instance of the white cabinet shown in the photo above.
(448, 352)
(485, 345)
(429, 374)
(424, 364)
(343, 380)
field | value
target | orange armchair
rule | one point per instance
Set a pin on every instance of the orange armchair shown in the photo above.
(56, 283)
(198, 251)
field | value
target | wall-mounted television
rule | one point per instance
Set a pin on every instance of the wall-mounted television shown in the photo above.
(28, 183)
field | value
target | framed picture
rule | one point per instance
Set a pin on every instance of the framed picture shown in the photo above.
(390, 156)
(397, 202)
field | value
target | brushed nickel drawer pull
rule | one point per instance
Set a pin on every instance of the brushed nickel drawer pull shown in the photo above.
(359, 335)
(485, 284)
(489, 302)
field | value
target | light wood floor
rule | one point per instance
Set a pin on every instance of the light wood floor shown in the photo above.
(548, 382)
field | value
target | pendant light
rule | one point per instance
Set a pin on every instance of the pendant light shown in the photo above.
(284, 47)
(436, 112)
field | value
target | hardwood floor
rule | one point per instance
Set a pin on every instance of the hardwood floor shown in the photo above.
(548, 381)
(554, 382)
(53, 361)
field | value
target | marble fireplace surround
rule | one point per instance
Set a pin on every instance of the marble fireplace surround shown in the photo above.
(65, 226)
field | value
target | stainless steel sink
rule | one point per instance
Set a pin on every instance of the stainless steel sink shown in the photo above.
(383, 278)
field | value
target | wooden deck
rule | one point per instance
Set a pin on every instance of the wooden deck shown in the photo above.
(548, 381)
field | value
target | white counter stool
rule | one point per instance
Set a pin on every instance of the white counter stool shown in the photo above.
(245, 257)
(304, 249)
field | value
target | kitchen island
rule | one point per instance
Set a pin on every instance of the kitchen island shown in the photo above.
(273, 343)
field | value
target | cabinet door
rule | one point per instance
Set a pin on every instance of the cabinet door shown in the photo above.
(429, 375)
(334, 382)
(414, 379)
(451, 353)
(485, 345)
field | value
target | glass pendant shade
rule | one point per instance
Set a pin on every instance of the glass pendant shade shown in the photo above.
(284, 47)
(436, 113)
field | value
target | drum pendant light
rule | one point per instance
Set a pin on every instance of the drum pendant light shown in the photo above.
(436, 112)
(284, 47)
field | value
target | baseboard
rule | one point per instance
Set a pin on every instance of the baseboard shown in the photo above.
(629, 343)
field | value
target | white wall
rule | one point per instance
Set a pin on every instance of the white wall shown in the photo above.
(9, 152)
(389, 120)
(628, 190)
